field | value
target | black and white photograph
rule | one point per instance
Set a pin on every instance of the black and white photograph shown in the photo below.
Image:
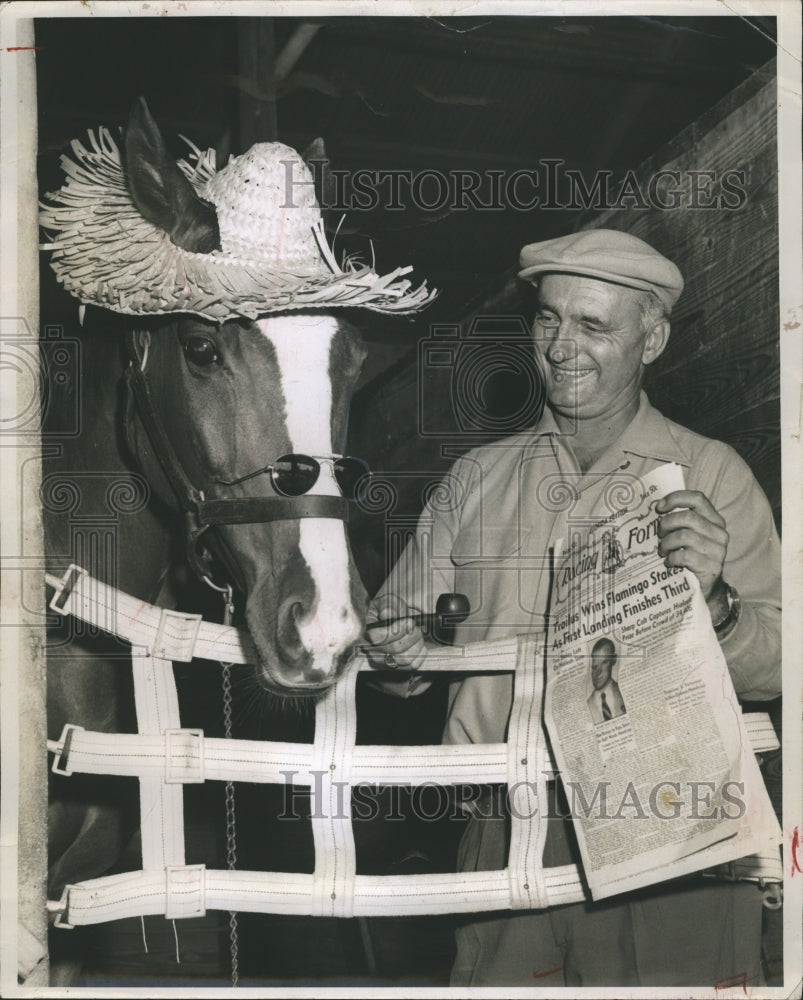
(605, 701)
(398, 400)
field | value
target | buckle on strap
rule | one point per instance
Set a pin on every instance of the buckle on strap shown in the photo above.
(176, 636)
(185, 891)
(64, 591)
(184, 756)
(62, 750)
(62, 908)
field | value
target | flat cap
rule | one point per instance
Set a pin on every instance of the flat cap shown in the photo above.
(609, 255)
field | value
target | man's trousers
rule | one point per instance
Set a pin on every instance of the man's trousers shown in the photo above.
(692, 931)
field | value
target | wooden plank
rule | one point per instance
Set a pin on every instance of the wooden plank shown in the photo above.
(257, 90)
(690, 137)
(720, 372)
(719, 385)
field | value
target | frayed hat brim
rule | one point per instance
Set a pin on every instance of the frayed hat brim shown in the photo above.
(106, 254)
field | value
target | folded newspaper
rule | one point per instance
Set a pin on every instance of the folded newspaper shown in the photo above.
(645, 725)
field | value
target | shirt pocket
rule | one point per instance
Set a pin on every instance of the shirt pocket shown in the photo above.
(489, 568)
(491, 544)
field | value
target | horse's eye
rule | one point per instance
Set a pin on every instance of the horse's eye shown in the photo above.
(202, 351)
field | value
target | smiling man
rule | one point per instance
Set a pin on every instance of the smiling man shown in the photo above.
(604, 300)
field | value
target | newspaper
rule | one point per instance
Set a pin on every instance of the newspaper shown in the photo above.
(644, 722)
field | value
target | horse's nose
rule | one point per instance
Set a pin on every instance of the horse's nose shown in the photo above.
(312, 636)
(304, 629)
(292, 612)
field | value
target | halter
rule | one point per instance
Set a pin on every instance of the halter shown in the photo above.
(200, 513)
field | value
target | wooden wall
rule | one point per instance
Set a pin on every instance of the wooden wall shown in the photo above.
(719, 374)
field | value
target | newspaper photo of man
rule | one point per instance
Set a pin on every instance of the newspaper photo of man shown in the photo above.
(605, 702)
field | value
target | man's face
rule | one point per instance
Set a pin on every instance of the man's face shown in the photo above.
(601, 667)
(591, 337)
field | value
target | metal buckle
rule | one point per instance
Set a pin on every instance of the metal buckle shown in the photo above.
(63, 908)
(68, 584)
(771, 894)
(62, 752)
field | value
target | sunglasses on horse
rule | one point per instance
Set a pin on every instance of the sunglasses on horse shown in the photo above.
(294, 475)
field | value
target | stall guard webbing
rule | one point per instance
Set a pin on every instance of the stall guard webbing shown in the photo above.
(164, 756)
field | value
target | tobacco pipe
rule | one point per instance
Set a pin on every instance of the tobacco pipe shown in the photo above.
(450, 610)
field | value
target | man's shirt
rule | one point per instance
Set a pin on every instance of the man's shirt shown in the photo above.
(489, 532)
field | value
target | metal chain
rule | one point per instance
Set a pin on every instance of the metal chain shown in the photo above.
(231, 819)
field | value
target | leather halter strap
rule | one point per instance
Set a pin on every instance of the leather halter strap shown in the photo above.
(255, 510)
(199, 512)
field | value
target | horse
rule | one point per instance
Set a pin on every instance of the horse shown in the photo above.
(229, 399)
(225, 435)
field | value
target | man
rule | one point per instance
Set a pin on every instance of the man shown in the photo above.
(605, 702)
(602, 316)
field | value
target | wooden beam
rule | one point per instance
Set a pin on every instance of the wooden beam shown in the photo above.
(255, 44)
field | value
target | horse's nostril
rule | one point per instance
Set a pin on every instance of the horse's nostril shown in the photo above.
(303, 642)
(288, 637)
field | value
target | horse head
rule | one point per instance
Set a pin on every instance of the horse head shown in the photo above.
(251, 410)
(251, 414)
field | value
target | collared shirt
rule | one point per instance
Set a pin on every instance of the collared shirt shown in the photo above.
(609, 697)
(488, 534)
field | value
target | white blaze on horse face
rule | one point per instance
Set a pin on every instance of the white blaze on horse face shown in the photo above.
(303, 347)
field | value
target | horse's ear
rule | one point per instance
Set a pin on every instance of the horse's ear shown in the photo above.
(316, 159)
(161, 192)
(315, 151)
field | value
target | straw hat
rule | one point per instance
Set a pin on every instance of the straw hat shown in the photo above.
(273, 253)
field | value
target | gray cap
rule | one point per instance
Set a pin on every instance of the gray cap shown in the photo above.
(608, 255)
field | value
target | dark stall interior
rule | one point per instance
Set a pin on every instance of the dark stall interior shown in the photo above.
(416, 99)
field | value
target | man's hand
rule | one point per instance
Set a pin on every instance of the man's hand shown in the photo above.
(693, 535)
(400, 645)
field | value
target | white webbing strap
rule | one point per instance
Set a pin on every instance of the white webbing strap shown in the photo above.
(527, 764)
(167, 634)
(186, 755)
(180, 638)
(188, 891)
(194, 889)
(761, 731)
(498, 655)
(155, 695)
(177, 755)
(161, 803)
(332, 830)
(133, 894)
(756, 868)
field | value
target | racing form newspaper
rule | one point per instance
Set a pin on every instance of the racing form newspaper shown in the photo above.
(645, 726)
